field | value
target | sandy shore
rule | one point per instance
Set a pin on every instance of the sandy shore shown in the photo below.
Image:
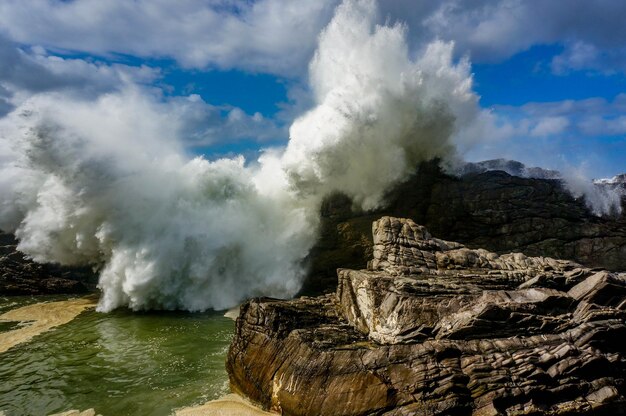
(39, 318)
(88, 412)
(232, 313)
(229, 405)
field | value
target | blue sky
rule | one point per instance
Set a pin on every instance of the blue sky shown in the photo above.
(552, 74)
(527, 77)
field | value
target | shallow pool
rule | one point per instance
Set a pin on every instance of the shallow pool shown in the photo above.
(120, 363)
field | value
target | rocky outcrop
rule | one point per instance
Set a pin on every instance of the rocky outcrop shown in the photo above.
(22, 276)
(491, 210)
(432, 327)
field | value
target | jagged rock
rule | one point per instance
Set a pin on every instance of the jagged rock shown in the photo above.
(435, 328)
(491, 210)
(22, 276)
(602, 289)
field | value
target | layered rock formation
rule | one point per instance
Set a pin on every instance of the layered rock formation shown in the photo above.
(491, 210)
(432, 327)
(22, 276)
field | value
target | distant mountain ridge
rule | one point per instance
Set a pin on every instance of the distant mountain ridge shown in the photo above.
(615, 180)
(512, 167)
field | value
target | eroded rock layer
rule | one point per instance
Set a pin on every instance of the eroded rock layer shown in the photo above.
(434, 328)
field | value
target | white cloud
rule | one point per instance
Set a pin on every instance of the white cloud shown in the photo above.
(578, 55)
(24, 73)
(203, 124)
(278, 36)
(35, 71)
(581, 55)
(587, 117)
(28, 73)
(597, 124)
(492, 30)
(548, 126)
(269, 35)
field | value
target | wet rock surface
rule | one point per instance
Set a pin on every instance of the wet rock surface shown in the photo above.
(22, 276)
(432, 327)
(491, 210)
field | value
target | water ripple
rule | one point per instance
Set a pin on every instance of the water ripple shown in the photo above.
(120, 363)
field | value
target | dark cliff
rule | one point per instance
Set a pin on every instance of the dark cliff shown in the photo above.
(22, 276)
(491, 210)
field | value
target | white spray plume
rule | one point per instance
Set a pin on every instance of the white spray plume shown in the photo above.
(599, 198)
(378, 112)
(103, 184)
(109, 183)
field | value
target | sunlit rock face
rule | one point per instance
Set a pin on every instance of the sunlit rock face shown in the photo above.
(433, 327)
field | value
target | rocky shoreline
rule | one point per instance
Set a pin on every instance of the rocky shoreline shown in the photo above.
(432, 327)
(21, 276)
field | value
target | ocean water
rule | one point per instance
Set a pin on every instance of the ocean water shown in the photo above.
(120, 363)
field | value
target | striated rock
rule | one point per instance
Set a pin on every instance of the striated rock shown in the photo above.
(491, 210)
(22, 276)
(435, 328)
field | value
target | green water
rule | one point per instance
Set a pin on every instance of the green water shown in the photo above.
(120, 363)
